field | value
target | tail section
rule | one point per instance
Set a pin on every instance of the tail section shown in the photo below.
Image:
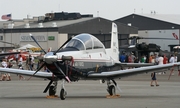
(114, 50)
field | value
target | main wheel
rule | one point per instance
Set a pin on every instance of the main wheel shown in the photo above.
(52, 90)
(63, 94)
(112, 90)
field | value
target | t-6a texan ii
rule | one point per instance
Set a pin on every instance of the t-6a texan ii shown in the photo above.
(84, 57)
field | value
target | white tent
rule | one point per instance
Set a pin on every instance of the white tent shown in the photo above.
(27, 46)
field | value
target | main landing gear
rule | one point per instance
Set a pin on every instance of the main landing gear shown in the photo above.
(111, 88)
(53, 88)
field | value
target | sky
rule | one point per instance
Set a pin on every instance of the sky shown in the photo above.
(108, 9)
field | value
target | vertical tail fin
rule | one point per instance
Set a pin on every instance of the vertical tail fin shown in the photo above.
(114, 50)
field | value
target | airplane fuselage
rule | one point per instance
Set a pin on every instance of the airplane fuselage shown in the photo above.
(83, 63)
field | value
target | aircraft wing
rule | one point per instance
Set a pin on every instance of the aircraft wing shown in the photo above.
(134, 64)
(130, 72)
(5, 54)
(27, 72)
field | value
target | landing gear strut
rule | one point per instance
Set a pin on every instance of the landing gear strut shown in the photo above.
(111, 88)
(53, 88)
(63, 92)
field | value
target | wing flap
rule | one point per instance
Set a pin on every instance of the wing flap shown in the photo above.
(135, 64)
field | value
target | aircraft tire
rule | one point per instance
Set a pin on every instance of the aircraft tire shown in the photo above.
(112, 90)
(62, 94)
(52, 91)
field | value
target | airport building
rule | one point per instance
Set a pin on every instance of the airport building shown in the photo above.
(53, 29)
(156, 25)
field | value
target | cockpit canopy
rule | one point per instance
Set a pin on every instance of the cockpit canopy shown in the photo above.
(84, 42)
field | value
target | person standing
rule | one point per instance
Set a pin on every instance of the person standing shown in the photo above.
(142, 59)
(153, 79)
(160, 61)
(132, 57)
(175, 58)
(30, 62)
(20, 66)
(3, 75)
(17, 57)
(122, 58)
(172, 60)
(156, 58)
(165, 60)
(150, 59)
(9, 65)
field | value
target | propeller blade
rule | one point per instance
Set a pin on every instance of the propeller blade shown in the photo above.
(37, 43)
(67, 78)
(37, 70)
(47, 87)
(63, 45)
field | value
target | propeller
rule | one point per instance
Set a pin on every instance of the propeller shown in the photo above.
(48, 58)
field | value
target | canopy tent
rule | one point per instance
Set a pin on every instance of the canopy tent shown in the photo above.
(26, 47)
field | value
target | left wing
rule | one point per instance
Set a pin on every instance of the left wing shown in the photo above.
(27, 72)
(129, 72)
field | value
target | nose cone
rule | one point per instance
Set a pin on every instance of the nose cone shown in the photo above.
(50, 58)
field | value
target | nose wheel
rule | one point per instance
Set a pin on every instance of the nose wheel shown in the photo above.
(63, 94)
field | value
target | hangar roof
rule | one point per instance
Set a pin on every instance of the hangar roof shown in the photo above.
(152, 21)
(59, 23)
(171, 18)
(93, 25)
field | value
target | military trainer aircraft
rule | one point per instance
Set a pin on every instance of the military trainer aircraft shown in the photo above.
(85, 57)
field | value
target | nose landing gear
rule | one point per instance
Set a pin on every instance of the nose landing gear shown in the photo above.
(63, 92)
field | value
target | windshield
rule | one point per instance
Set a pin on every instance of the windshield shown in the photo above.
(75, 44)
(85, 42)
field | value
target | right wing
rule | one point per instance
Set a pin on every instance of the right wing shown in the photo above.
(27, 73)
(11, 53)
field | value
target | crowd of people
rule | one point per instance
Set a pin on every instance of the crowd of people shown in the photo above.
(29, 65)
(153, 58)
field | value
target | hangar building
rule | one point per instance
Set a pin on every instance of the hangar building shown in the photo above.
(53, 33)
(156, 25)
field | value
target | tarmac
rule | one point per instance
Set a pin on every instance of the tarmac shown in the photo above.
(136, 93)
